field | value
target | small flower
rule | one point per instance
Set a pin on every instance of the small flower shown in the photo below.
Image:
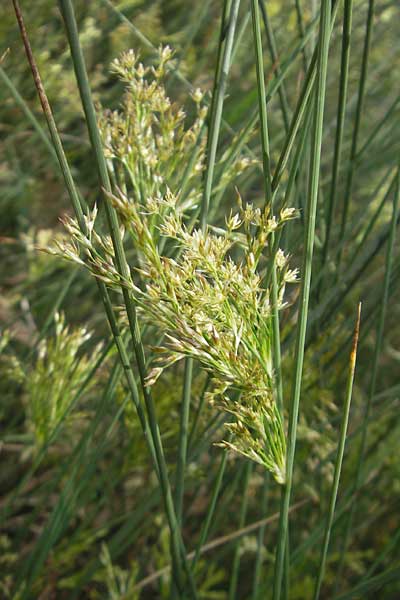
(280, 258)
(289, 213)
(233, 222)
(291, 276)
(197, 95)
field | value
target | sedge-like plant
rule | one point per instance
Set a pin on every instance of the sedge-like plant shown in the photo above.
(187, 271)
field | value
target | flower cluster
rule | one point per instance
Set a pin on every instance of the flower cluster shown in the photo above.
(53, 382)
(206, 290)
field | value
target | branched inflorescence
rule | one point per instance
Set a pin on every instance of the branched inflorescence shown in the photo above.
(205, 290)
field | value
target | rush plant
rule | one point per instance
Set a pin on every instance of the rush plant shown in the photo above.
(230, 203)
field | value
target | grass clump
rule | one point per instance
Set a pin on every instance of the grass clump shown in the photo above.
(114, 484)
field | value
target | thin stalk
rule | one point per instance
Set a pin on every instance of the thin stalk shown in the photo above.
(241, 31)
(294, 173)
(210, 510)
(341, 112)
(296, 121)
(300, 108)
(322, 65)
(374, 219)
(239, 141)
(374, 583)
(183, 439)
(216, 112)
(52, 311)
(182, 450)
(375, 366)
(28, 113)
(260, 540)
(391, 545)
(241, 524)
(276, 63)
(198, 411)
(339, 457)
(300, 26)
(267, 189)
(377, 129)
(357, 123)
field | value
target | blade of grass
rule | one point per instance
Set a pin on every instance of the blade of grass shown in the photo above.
(260, 540)
(216, 111)
(300, 26)
(276, 62)
(322, 64)
(210, 510)
(242, 519)
(183, 439)
(357, 123)
(339, 457)
(374, 371)
(300, 109)
(341, 112)
(371, 585)
(377, 129)
(28, 113)
(268, 201)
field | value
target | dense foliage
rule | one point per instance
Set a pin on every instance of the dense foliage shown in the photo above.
(205, 213)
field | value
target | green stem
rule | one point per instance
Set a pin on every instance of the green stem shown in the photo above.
(300, 26)
(216, 111)
(322, 63)
(28, 113)
(300, 108)
(377, 128)
(267, 190)
(260, 541)
(211, 510)
(374, 371)
(344, 77)
(339, 458)
(183, 439)
(241, 524)
(276, 64)
(357, 123)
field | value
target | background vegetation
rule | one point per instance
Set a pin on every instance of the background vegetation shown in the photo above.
(82, 509)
